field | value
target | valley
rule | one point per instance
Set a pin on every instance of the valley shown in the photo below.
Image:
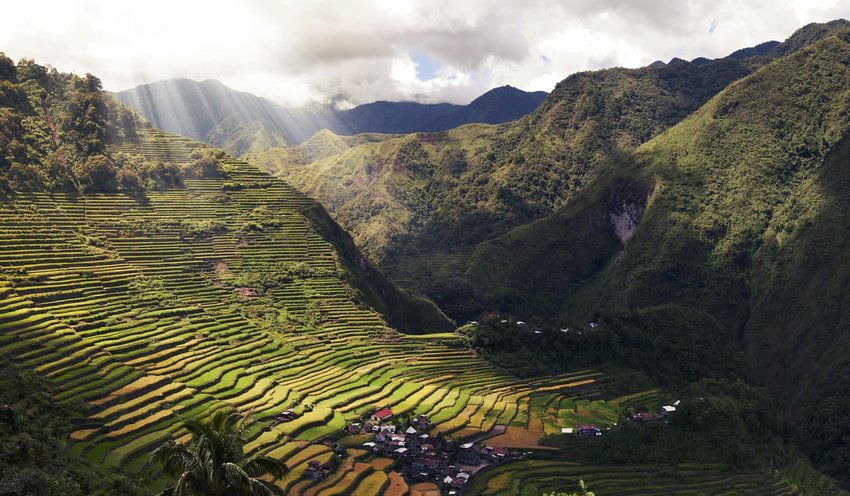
(133, 305)
(634, 284)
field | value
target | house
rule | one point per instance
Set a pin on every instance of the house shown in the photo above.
(423, 423)
(643, 417)
(566, 430)
(410, 430)
(468, 455)
(381, 415)
(419, 468)
(668, 408)
(314, 470)
(589, 430)
(498, 454)
(458, 482)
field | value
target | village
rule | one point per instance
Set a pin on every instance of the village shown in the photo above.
(422, 456)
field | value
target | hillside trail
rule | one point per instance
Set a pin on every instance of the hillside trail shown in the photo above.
(55, 135)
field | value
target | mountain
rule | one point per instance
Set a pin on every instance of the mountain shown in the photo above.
(498, 105)
(730, 226)
(210, 111)
(720, 238)
(147, 279)
(241, 122)
(420, 203)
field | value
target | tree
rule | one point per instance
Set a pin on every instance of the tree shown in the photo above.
(206, 163)
(97, 173)
(213, 463)
(7, 68)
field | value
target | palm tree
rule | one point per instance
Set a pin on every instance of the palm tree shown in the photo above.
(213, 463)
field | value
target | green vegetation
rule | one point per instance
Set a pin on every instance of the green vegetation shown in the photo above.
(737, 266)
(213, 462)
(717, 422)
(446, 192)
(54, 130)
(55, 127)
(415, 202)
(535, 477)
(34, 455)
(154, 280)
(134, 304)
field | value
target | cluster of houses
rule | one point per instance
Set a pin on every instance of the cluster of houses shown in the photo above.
(423, 457)
(446, 462)
(660, 414)
(592, 431)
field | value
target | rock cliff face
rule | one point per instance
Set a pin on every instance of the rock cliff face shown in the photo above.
(626, 219)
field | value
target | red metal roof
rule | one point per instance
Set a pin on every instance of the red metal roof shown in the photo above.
(383, 413)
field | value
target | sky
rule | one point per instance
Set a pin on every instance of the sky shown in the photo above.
(350, 52)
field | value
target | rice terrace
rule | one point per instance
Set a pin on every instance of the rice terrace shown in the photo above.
(397, 274)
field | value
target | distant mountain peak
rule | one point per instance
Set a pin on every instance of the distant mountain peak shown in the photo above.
(210, 111)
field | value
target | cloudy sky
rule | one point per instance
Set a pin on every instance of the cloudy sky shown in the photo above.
(357, 51)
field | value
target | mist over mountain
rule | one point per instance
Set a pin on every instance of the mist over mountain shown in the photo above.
(241, 122)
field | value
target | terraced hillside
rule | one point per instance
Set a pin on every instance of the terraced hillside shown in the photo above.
(534, 477)
(149, 309)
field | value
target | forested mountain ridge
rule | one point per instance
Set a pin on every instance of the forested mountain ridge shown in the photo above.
(419, 204)
(241, 122)
(736, 235)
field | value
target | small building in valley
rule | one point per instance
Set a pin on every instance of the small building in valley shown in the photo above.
(382, 415)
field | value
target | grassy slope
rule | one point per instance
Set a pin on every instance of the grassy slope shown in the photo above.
(321, 145)
(27, 149)
(746, 228)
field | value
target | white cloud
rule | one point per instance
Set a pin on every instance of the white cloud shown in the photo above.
(359, 50)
